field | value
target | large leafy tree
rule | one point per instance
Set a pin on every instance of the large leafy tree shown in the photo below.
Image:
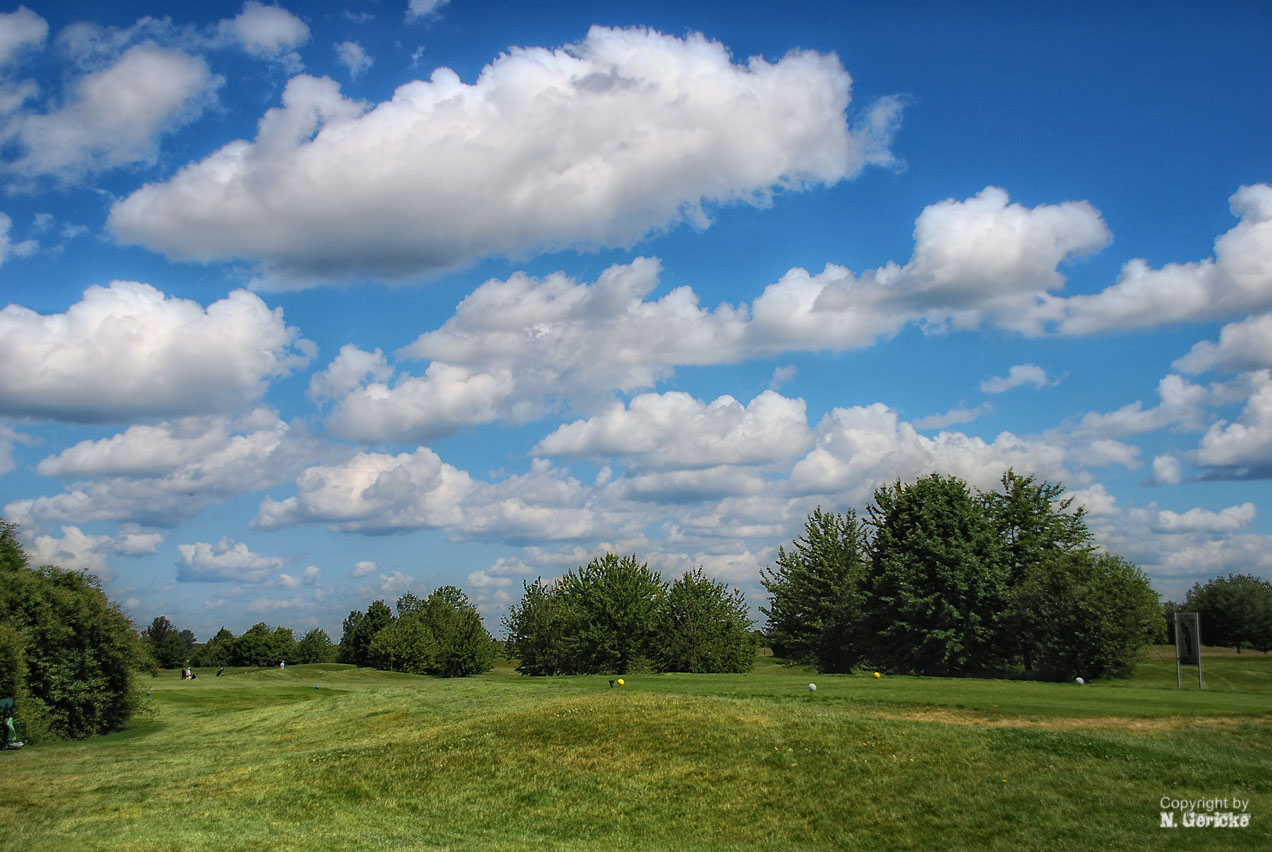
(74, 652)
(1037, 526)
(1091, 615)
(704, 627)
(315, 647)
(218, 651)
(816, 595)
(534, 631)
(463, 645)
(167, 644)
(406, 644)
(359, 629)
(1236, 611)
(609, 611)
(937, 579)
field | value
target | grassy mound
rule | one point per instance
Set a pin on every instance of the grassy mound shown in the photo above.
(261, 759)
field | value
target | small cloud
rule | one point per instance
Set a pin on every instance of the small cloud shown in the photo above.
(950, 418)
(782, 375)
(353, 57)
(1167, 470)
(1020, 374)
(362, 569)
(416, 9)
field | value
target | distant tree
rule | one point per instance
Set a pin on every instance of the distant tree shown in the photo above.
(1236, 611)
(262, 645)
(409, 604)
(463, 645)
(815, 609)
(703, 626)
(217, 652)
(283, 646)
(315, 647)
(609, 611)
(534, 631)
(166, 643)
(1169, 608)
(359, 629)
(75, 651)
(937, 580)
(404, 645)
(1092, 613)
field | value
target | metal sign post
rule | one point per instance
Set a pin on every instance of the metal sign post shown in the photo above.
(1187, 646)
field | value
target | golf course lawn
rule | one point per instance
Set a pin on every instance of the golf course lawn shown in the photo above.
(329, 757)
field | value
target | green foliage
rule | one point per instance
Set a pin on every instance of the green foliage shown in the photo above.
(166, 643)
(1092, 614)
(816, 595)
(609, 615)
(937, 580)
(534, 631)
(315, 647)
(1236, 611)
(704, 627)
(359, 629)
(463, 645)
(218, 652)
(405, 645)
(262, 645)
(79, 651)
(1036, 525)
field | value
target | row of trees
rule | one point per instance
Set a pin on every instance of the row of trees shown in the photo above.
(439, 635)
(939, 580)
(1236, 612)
(262, 645)
(617, 616)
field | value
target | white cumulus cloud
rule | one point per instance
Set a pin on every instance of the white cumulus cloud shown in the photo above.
(593, 144)
(226, 561)
(128, 351)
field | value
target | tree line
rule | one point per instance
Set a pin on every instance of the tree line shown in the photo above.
(937, 579)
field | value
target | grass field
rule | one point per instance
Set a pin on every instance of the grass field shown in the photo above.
(261, 759)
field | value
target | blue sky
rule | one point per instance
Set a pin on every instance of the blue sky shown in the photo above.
(312, 305)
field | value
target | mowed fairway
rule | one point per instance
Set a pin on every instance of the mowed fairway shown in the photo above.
(261, 759)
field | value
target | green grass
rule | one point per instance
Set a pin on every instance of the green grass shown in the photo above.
(260, 759)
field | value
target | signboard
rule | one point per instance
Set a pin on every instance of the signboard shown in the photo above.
(1187, 645)
(1187, 639)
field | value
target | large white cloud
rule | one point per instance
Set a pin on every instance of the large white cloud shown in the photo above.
(592, 144)
(675, 430)
(128, 351)
(1237, 280)
(1242, 448)
(164, 473)
(225, 561)
(113, 116)
(1244, 345)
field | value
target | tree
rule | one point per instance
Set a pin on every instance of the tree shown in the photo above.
(609, 616)
(704, 627)
(315, 647)
(1035, 524)
(359, 629)
(816, 594)
(404, 645)
(218, 652)
(936, 579)
(262, 645)
(534, 631)
(1092, 614)
(75, 652)
(166, 643)
(463, 645)
(1236, 611)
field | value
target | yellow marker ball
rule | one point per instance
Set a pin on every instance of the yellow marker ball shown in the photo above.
(620, 681)
(878, 675)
